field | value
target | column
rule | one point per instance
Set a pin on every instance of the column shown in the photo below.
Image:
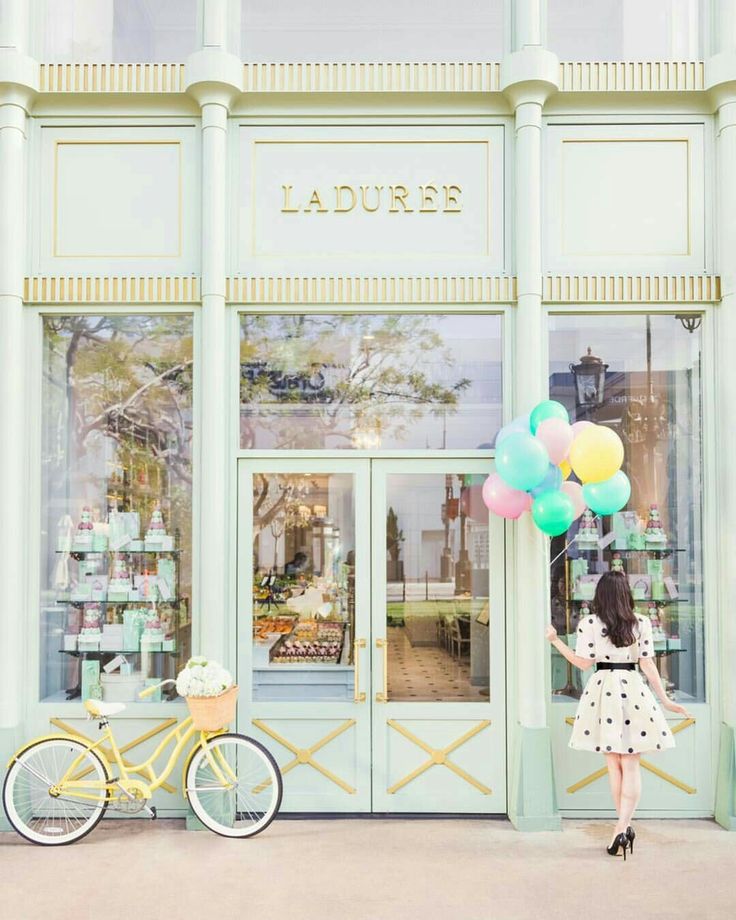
(725, 452)
(18, 80)
(529, 77)
(214, 79)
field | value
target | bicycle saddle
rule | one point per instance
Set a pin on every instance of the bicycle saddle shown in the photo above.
(97, 708)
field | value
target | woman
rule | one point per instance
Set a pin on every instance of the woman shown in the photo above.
(617, 714)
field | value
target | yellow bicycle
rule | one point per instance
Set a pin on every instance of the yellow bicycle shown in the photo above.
(58, 787)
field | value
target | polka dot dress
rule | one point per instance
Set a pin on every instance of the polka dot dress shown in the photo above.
(617, 712)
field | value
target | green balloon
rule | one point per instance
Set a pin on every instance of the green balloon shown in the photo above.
(553, 512)
(608, 496)
(522, 461)
(550, 408)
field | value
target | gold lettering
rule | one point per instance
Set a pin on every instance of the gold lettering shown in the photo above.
(364, 197)
(397, 196)
(427, 199)
(452, 193)
(287, 194)
(315, 200)
(339, 189)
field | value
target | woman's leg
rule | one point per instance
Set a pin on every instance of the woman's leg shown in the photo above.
(630, 790)
(615, 776)
(613, 762)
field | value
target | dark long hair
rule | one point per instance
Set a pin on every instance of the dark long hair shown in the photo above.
(614, 606)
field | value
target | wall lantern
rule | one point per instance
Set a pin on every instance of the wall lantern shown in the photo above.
(590, 381)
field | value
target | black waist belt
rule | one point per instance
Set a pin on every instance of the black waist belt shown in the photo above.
(615, 666)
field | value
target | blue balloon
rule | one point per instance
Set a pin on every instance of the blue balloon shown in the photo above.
(519, 425)
(522, 461)
(551, 482)
(608, 496)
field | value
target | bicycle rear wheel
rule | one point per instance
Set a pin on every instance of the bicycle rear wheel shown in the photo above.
(234, 787)
(42, 812)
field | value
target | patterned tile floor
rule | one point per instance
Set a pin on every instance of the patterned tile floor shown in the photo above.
(427, 673)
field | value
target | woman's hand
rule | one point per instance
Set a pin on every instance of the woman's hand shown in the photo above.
(550, 633)
(672, 706)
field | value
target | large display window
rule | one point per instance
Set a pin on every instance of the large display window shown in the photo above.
(116, 503)
(370, 381)
(640, 375)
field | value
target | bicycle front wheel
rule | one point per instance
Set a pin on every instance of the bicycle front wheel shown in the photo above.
(234, 786)
(37, 801)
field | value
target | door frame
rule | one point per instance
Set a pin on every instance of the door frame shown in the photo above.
(301, 735)
(394, 722)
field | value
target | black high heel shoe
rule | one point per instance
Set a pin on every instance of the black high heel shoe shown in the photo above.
(619, 842)
(631, 836)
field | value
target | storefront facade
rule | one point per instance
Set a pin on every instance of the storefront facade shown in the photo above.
(290, 306)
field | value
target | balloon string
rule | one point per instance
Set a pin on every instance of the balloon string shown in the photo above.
(568, 545)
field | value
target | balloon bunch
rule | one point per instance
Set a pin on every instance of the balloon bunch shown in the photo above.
(535, 456)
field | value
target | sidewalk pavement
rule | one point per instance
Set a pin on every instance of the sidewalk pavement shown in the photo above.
(373, 869)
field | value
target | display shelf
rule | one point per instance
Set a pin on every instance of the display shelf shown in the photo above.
(628, 553)
(123, 552)
(78, 653)
(170, 603)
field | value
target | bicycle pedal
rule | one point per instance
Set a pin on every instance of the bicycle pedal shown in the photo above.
(152, 813)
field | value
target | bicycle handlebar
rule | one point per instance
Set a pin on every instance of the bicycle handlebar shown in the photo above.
(151, 690)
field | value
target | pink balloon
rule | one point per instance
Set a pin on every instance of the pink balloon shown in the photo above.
(501, 499)
(557, 436)
(577, 427)
(574, 491)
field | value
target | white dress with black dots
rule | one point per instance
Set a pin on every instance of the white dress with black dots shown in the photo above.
(617, 712)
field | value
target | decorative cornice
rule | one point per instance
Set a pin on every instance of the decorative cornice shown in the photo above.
(373, 78)
(672, 289)
(427, 77)
(371, 290)
(112, 78)
(82, 290)
(366, 290)
(631, 76)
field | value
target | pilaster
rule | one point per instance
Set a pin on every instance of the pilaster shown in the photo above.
(725, 448)
(528, 78)
(214, 79)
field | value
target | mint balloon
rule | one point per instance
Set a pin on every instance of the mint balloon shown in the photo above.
(522, 461)
(553, 512)
(608, 496)
(550, 408)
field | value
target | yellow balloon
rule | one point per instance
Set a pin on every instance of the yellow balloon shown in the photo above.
(596, 454)
(565, 469)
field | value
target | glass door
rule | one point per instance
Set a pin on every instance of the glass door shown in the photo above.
(303, 625)
(439, 739)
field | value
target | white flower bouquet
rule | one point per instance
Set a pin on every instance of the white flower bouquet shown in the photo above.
(210, 693)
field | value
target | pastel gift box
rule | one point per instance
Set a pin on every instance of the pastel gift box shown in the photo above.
(99, 541)
(81, 591)
(117, 595)
(99, 588)
(112, 637)
(70, 643)
(151, 643)
(82, 541)
(585, 587)
(627, 528)
(90, 675)
(124, 526)
(168, 645)
(641, 587)
(166, 571)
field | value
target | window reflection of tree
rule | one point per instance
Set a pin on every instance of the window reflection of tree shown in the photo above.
(374, 375)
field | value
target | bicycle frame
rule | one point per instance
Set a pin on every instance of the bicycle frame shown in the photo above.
(74, 784)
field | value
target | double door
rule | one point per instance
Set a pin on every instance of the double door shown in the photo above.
(371, 633)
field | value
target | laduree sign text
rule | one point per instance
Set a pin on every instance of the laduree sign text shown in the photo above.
(429, 198)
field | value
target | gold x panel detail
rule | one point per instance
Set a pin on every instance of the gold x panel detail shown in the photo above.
(439, 756)
(306, 755)
(156, 730)
(667, 777)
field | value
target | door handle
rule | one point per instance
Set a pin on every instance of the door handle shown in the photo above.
(358, 694)
(382, 695)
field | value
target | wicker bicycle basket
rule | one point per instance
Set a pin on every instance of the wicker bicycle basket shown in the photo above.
(211, 713)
